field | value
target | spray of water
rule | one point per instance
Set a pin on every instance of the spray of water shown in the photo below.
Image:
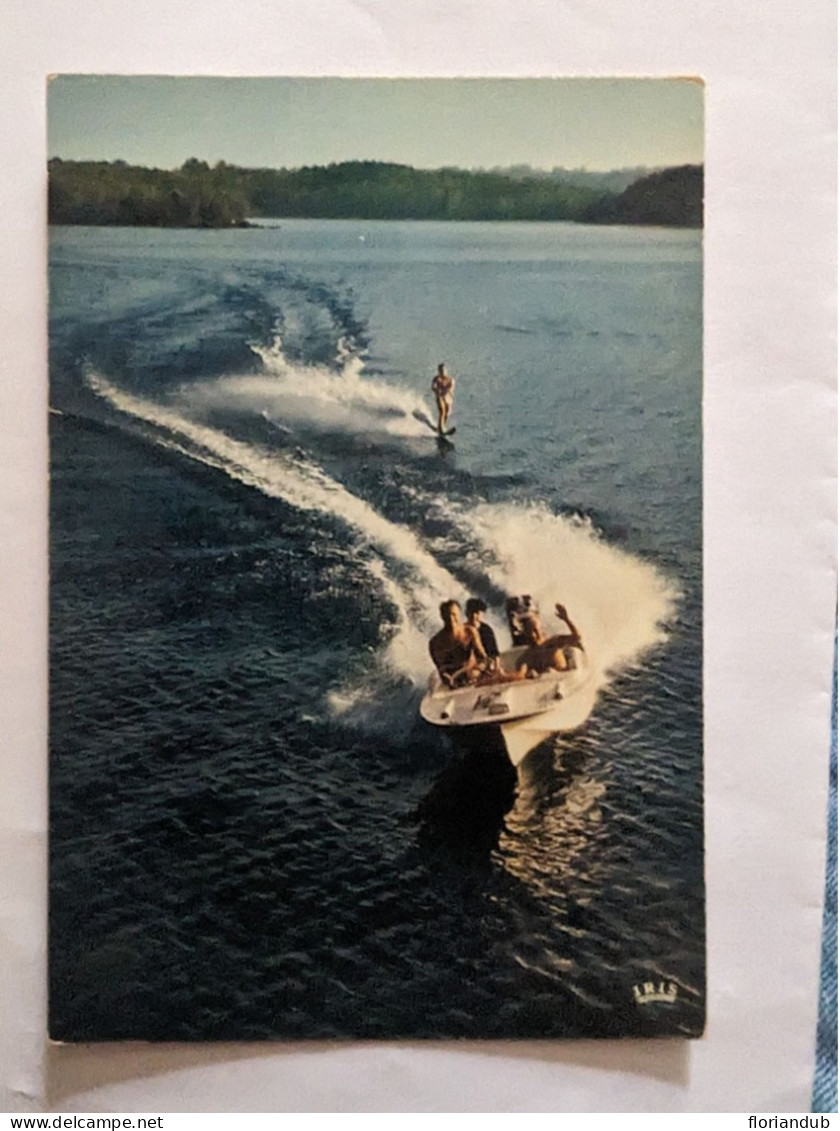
(620, 603)
(423, 582)
(294, 395)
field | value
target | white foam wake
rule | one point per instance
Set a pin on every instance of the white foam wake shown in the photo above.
(292, 394)
(620, 603)
(305, 486)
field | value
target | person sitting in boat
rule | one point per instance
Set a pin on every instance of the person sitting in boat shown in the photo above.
(520, 609)
(443, 386)
(456, 650)
(548, 653)
(475, 608)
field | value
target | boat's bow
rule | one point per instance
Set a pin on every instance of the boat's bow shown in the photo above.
(527, 711)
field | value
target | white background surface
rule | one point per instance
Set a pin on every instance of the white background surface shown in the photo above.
(769, 527)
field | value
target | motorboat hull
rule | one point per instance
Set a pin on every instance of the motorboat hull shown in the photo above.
(527, 711)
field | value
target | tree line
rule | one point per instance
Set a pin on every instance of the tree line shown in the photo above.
(198, 195)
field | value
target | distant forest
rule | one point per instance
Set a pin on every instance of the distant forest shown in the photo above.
(223, 196)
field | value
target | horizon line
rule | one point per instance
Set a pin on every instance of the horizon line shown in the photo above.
(501, 169)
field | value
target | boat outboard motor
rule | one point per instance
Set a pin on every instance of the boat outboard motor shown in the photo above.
(519, 609)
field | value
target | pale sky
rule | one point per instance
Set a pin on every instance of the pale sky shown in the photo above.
(428, 123)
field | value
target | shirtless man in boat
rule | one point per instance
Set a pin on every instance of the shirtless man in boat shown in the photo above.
(456, 650)
(547, 653)
(459, 654)
(443, 386)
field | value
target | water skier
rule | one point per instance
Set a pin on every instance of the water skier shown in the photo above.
(443, 386)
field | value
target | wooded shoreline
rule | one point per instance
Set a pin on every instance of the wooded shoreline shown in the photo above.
(225, 196)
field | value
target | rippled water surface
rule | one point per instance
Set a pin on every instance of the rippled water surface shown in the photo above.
(253, 834)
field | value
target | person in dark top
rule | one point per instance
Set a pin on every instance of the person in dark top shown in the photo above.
(519, 610)
(474, 609)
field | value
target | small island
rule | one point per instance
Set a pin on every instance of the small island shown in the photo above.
(225, 196)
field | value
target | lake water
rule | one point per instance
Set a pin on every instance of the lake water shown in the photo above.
(253, 834)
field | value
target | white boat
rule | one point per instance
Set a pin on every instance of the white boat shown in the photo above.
(526, 711)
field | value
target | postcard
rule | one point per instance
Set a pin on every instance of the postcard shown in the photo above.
(769, 583)
(376, 558)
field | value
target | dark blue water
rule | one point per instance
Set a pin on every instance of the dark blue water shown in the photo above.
(253, 835)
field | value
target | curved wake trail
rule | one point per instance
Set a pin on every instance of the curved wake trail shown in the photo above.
(621, 604)
(303, 485)
(292, 394)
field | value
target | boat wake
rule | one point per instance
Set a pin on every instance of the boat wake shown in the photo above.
(304, 398)
(621, 603)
